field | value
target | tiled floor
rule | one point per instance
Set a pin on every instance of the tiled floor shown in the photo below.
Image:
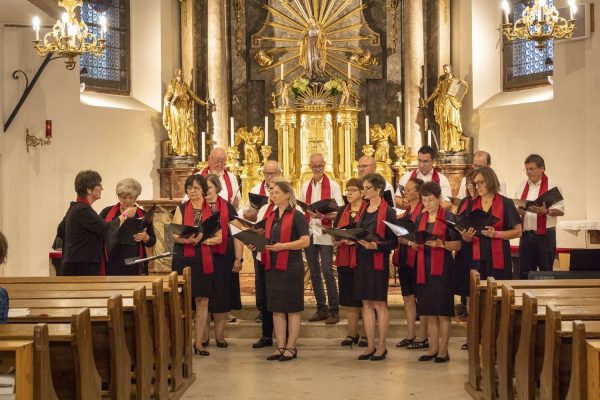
(325, 370)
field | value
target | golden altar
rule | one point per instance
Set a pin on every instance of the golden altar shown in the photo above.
(310, 129)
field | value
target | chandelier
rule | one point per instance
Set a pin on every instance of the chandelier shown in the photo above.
(69, 36)
(539, 23)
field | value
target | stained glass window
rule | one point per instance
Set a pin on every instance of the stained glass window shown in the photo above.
(524, 65)
(109, 72)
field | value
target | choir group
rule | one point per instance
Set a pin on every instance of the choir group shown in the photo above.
(432, 263)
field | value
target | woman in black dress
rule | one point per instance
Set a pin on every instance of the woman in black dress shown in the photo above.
(463, 261)
(372, 275)
(82, 230)
(227, 257)
(113, 259)
(189, 252)
(346, 261)
(286, 227)
(491, 249)
(435, 297)
(404, 258)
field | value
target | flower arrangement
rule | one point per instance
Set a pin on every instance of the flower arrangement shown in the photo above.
(299, 86)
(334, 86)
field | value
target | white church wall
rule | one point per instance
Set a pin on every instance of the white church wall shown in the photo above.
(118, 136)
(560, 122)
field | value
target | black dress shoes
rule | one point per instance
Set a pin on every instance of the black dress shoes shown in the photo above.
(439, 360)
(350, 340)
(378, 358)
(428, 357)
(222, 344)
(367, 356)
(263, 342)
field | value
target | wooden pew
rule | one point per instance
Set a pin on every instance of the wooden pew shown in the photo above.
(509, 329)
(476, 319)
(563, 356)
(530, 354)
(108, 335)
(585, 367)
(64, 364)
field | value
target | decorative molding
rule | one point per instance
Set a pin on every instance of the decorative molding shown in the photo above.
(394, 6)
(238, 8)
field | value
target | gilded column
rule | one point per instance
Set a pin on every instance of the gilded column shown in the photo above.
(217, 69)
(414, 60)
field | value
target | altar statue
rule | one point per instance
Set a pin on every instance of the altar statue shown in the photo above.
(252, 140)
(448, 96)
(313, 51)
(178, 116)
(381, 138)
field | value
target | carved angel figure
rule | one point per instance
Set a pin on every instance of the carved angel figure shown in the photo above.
(252, 139)
(381, 138)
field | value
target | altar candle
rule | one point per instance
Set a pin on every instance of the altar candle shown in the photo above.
(282, 69)
(266, 131)
(541, 10)
(429, 137)
(506, 9)
(398, 131)
(203, 146)
(349, 71)
(572, 8)
(36, 27)
(367, 129)
(48, 129)
(231, 133)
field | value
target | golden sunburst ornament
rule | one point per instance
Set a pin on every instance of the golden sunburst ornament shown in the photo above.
(315, 39)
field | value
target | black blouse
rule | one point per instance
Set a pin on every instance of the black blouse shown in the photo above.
(299, 229)
(369, 221)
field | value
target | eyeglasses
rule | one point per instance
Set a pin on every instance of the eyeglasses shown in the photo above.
(367, 188)
(317, 167)
(265, 173)
(99, 185)
(364, 166)
(479, 183)
(194, 188)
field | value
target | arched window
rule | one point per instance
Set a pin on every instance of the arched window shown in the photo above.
(108, 73)
(524, 65)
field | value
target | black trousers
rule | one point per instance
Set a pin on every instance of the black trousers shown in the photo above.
(80, 269)
(537, 252)
(261, 299)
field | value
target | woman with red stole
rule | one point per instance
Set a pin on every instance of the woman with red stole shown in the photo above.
(190, 252)
(435, 297)
(346, 261)
(287, 231)
(227, 260)
(113, 259)
(372, 274)
(404, 259)
(491, 248)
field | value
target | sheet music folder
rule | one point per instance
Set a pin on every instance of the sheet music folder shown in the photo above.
(257, 200)
(352, 234)
(551, 197)
(323, 206)
(208, 227)
(133, 226)
(476, 219)
(250, 236)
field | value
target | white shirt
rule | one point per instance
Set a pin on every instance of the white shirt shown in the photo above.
(256, 189)
(336, 194)
(462, 190)
(530, 219)
(235, 187)
(444, 183)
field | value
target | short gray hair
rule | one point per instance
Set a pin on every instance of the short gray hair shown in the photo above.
(129, 186)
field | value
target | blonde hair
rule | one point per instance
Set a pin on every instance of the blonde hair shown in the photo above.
(287, 187)
(129, 186)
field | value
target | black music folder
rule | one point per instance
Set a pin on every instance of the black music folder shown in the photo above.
(133, 226)
(551, 197)
(257, 200)
(420, 237)
(208, 227)
(476, 219)
(254, 225)
(250, 236)
(323, 206)
(352, 234)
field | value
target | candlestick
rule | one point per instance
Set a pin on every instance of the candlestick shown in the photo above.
(367, 141)
(36, 27)
(282, 70)
(506, 9)
(349, 71)
(399, 141)
(203, 146)
(266, 131)
(231, 132)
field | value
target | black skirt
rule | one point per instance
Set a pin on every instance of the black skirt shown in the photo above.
(348, 295)
(285, 289)
(225, 293)
(407, 278)
(463, 263)
(371, 284)
(436, 296)
(201, 283)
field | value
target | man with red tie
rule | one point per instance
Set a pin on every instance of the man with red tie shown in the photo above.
(425, 172)
(319, 255)
(537, 246)
(217, 160)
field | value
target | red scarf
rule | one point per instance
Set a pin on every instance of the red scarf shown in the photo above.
(268, 211)
(410, 253)
(437, 253)
(104, 258)
(434, 178)
(497, 243)
(262, 191)
(188, 249)
(541, 219)
(227, 180)
(221, 206)
(83, 200)
(286, 234)
(325, 194)
(380, 230)
(346, 255)
(463, 206)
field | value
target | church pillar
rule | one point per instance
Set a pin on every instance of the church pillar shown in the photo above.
(414, 60)
(217, 69)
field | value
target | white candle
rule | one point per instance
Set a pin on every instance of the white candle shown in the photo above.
(506, 9)
(367, 129)
(282, 70)
(349, 71)
(266, 131)
(231, 132)
(398, 131)
(572, 8)
(541, 10)
(203, 146)
(103, 24)
(36, 27)
(429, 137)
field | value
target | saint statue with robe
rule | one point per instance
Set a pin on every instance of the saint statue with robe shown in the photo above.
(313, 51)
